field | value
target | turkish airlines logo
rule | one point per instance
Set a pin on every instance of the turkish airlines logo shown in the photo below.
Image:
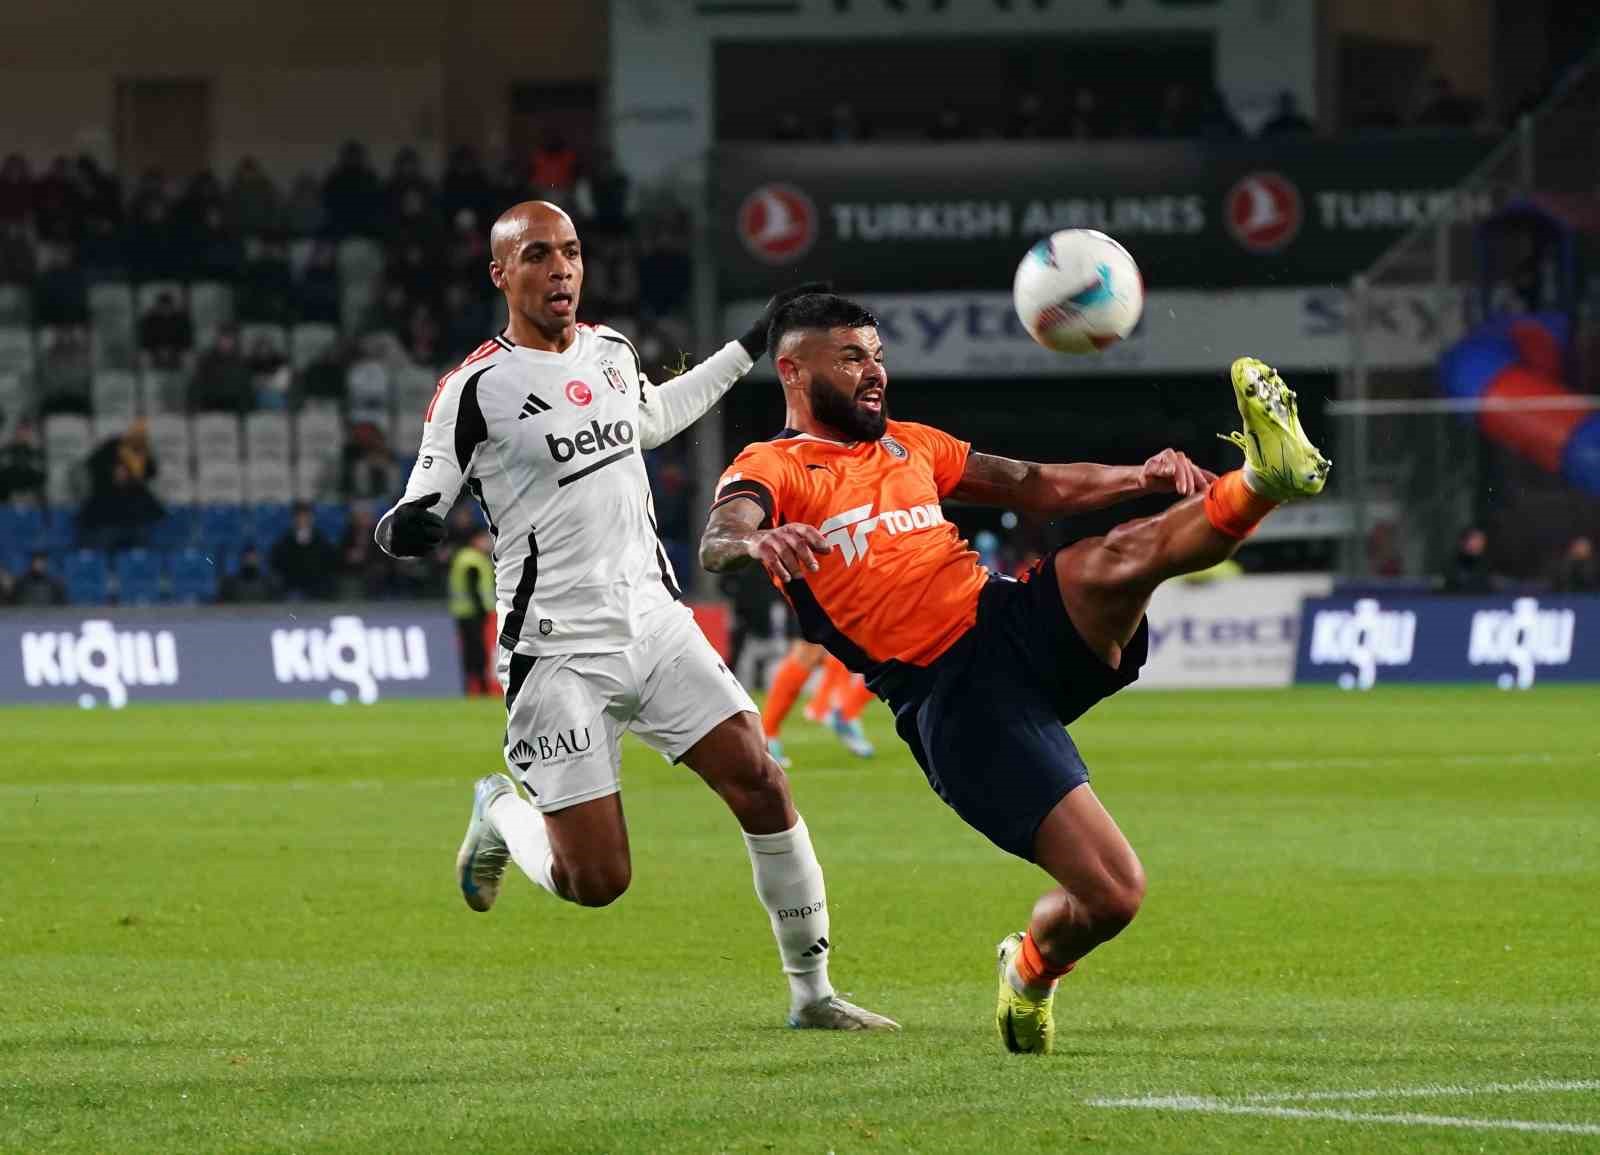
(1263, 212)
(777, 223)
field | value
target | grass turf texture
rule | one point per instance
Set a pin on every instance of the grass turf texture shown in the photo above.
(234, 928)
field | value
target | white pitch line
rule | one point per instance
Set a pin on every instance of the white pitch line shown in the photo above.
(1435, 1091)
(1408, 1119)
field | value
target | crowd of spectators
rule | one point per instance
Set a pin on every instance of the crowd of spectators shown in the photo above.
(1574, 570)
(1183, 112)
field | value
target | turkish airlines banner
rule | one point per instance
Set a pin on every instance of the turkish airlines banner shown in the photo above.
(943, 217)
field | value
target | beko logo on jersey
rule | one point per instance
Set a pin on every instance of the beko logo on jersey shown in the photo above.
(847, 532)
(598, 438)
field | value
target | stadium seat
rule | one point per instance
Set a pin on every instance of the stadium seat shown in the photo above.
(60, 529)
(216, 438)
(268, 481)
(331, 520)
(104, 425)
(266, 437)
(172, 447)
(87, 577)
(16, 350)
(16, 305)
(138, 577)
(366, 393)
(318, 444)
(261, 335)
(112, 329)
(405, 431)
(113, 394)
(195, 574)
(146, 295)
(175, 530)
(25, 529)
(163, 391)
(308, 341)
(14, 395)
(210, 308)
(219, 482)
(221, 527)
(67, 442)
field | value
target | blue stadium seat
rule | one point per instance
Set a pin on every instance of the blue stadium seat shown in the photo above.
(221, 527)
(138, 577)
(195, 574)
(60, 529)
(87, 576)
(175, 531)
(332, 519)
(23, 528)
(269, 522)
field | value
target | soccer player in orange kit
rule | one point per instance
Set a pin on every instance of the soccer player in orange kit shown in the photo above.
(842, 508)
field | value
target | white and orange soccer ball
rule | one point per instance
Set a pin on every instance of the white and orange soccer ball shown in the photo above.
(1078, 291)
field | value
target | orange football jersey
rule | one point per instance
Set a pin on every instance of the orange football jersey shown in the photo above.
(899, 583)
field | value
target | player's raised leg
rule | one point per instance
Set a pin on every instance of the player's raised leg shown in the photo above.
(1105, 585)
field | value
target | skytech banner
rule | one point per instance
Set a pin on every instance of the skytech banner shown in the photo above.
(946, 217)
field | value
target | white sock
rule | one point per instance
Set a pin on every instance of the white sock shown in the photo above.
(1252, 480)
(523, 829)
(789, 884)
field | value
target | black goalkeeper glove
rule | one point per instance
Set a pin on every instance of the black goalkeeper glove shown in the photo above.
(413, 531)
(754, 339)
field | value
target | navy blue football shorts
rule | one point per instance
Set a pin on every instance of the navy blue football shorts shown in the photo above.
(986, 721)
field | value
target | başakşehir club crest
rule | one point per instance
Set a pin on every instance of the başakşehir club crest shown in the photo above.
(777, 223)
(1263, 211)
(895, 448)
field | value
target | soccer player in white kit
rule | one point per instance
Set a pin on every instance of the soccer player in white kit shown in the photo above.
(545, 425)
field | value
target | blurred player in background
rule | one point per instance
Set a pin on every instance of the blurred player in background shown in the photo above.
(842, 508)
(837, 704)
(471, 586)
(544, 424)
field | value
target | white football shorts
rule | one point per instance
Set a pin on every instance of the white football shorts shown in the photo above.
(566, 713)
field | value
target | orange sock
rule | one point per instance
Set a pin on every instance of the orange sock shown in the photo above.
(1033, 968)
(1233, 508)
(854, 699)
(786, 686)
(835, 680)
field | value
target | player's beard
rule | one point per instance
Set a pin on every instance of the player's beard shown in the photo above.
(838, 411)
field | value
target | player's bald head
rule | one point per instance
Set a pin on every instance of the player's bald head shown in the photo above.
(526, 221)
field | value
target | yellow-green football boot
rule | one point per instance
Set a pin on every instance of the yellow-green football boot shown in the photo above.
(1284, 465)
(1027, 1024)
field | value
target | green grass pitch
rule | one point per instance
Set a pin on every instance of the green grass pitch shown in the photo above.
(234, 928)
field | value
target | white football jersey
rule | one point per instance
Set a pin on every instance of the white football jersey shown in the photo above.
(549, 445)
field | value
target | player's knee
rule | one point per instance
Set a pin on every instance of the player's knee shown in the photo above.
(755, 784)
(598, 884)
(1113, 904)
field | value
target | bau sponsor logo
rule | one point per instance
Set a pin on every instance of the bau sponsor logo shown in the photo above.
(101, 657)
(1524, 637)
(1366, 637)
(349, 651)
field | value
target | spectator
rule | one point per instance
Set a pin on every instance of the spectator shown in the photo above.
(408, 187)
(17, 264)
(466, 253)
(266, 290)
(422, 335)
(189, 215)
(1288, 120)
(665, 270)
(1444, 107)
(1026, 121)
(468, 322)
(391, 312)
(56, 204)
(553, 169)
(222, 382)
(324, 378)
(1469, 574)
(104, 254)
(318, 293)
(120, 509)
(302, 562)
(152, 191)
(603, 195)
(165, 332)
(1577, 572)
(250, 582)
(1085, 122)
(16, 191)
(411, 218)
(99, 193)
(37, 586)
(352, 196)
(270, 370)
(368, 469)
(467, 187)
(254, 206)
(472, 605)
(66, 370)
(22, 474)
(302, 209)
(155, 247)
(413, 268)
(60, 293)
(215, 253)
(365, 571)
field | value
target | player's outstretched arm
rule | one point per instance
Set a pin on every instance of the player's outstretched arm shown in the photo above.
(450, 436)
(1074, 488)
(734, 538)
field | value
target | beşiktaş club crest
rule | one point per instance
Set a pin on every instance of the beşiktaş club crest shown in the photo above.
(895, 447)
(614, 377)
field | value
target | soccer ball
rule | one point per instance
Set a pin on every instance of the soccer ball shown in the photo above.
(1077, 291)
